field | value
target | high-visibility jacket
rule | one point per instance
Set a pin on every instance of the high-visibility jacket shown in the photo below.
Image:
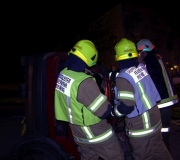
(67, 108)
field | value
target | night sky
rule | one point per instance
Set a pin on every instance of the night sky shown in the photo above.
(32, 28)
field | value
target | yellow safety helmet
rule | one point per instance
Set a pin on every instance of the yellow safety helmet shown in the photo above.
(125, 49)
(86, 51)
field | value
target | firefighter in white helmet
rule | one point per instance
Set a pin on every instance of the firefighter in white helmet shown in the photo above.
(138, 99)
(158, 71)
(79, 101)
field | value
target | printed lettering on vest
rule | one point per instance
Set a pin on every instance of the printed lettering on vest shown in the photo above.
(64, 84)
(137, 73)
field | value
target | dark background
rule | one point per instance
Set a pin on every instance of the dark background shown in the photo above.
(37, 27)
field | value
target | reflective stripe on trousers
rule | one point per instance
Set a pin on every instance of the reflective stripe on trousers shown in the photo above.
(143, 132)
(97, 139)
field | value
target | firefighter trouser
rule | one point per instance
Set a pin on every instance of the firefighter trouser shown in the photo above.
(108, 150)
(149, 147)
(166, 122)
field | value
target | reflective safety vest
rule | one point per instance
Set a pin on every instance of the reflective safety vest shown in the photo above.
(145, 93)
(173, 98)
(67, 108)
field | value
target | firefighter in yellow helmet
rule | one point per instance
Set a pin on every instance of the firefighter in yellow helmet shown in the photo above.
(79, 101)
(138, 99)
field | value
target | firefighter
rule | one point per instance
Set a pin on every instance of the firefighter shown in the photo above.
(138, 99)
(158, 71)
(79, 101)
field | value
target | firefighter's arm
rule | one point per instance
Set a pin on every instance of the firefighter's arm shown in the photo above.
(124, 106)
(107, 113)
(124, 109)
(90, 95)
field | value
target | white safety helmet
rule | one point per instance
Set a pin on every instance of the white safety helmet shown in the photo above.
(144, 45)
